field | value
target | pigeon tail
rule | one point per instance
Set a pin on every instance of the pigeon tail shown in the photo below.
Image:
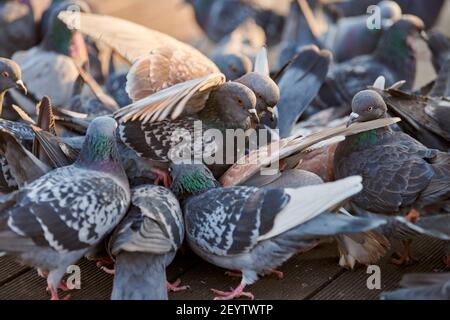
(140, 276)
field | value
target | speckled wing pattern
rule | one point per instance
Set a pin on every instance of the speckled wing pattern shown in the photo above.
(164, 140)
(154, 223)
(395, 171)
(69, 209)
(230, 221)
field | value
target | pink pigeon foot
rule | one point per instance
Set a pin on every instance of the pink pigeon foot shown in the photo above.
(105, 265)
(233, 274)
(277, 273)
(175, 287)
(162, 176)
(233, 294)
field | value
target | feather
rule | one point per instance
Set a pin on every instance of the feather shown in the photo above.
(262, 63)
(288, 147)
(187, 97)
(308, 202)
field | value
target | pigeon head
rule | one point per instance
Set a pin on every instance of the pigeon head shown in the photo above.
(367, 105)
(10, 76)
(191, 179)
(233, 65)
(390, 10)
(100, 149)
(235, 103)
(266, 91)
(62, 39)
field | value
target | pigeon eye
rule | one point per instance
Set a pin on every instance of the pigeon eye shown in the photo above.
(369, 109)
(5, 74)
(240, 102)
(234, 69)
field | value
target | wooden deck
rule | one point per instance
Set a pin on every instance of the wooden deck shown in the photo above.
(315, 275)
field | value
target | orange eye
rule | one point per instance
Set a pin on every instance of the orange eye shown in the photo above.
(5, 74)
(240, 102)
(369, 109)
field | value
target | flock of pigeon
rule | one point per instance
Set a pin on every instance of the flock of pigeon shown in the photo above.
(92, 106)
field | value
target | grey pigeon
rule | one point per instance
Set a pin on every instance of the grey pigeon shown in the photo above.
(145, 243)
(19, 22)
(299, 85)
(424, 117)
(420, 286)
(161, 138)
(235, 54)
(220, 18)
(394, 58)
(428, 11)
(53, 57)
(115, 87)
(10, 77)
(439, 45)
(400, 175)
(52, 222)
(255, 230)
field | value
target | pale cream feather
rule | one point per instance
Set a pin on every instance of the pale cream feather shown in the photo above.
(184, 98)
(292, 147)
(308, 202)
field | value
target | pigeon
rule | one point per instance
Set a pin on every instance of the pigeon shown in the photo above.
(49, 69)
(166, 59)
(394, 58)
(255, 230)
(220, 18)
(170, 124)
(346, 37)
(145, 243)
(52, 222)
(424, 117)
(420, 286)
(10, 78)
(299, 85)
(439, 45)
(235, 54)
(428, 11)
(401, 176)
(115, 87)
(19, 22)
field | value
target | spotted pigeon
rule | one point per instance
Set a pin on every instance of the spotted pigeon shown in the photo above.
(255, 230)
(145, 243)
(52, 222)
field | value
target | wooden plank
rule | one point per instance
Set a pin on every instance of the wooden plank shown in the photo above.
(9, 269)
(303, 275)
(352, 284)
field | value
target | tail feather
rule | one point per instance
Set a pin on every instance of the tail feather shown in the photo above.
(140, 276)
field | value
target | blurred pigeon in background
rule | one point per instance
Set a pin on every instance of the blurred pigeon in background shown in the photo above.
(420, 286)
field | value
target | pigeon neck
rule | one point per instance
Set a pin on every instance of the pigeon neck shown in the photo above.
(367, 138)
(193, 183)
(219, 112)
(100, 153)
(397, 51)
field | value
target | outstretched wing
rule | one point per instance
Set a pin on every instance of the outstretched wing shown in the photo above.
(293, 149)
(185, 98)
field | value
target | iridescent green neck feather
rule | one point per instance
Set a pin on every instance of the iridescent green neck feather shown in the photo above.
(366, 138)
(193, 182)
(58, 38)
(99, 151)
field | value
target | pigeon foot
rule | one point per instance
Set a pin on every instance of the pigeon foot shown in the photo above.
(405, 258)
(277, 273)
(175, 287)
(412, 216)
(162, 177)
(233, 294)
(106, 265)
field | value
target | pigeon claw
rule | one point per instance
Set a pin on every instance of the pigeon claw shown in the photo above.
(175, 287)
(277, 273)
(233, 294)
(162, 177)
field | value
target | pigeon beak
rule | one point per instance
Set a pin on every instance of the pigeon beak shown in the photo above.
(254, 115)
(424, 36)
(353, 118)
(272, 112)
(21, 86)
